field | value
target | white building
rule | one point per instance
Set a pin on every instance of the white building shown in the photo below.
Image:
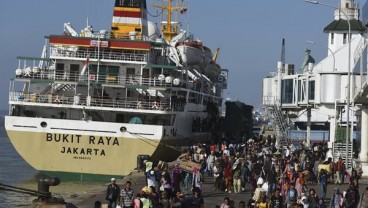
(320, 92)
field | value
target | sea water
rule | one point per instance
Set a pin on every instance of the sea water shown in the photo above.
(15, 171)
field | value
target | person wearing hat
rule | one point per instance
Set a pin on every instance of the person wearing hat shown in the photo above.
(112, 194)
(145, 201)
(336, 199)
(152, 178)
(226, 152)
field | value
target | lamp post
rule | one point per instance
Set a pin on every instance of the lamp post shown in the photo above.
(333, 54)
(349, 75)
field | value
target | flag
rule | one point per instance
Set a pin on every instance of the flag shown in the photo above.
(85, 65)
(183, 10)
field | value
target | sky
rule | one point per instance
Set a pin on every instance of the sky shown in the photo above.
(249, 34)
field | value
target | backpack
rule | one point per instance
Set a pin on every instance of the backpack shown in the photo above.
(292, 195)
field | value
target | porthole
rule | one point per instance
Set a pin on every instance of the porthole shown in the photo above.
(123, 129)
(43, 124)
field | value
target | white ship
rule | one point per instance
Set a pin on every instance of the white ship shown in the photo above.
(95, 101)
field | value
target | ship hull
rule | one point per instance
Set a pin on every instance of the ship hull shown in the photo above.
(89, 147)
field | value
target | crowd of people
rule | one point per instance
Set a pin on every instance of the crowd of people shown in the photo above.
(277, 177)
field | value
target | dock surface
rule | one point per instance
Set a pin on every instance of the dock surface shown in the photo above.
(211, 197)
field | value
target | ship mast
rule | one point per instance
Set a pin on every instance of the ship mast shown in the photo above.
(169, 29)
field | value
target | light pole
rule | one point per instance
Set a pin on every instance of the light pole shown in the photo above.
(349, 75)
(333, 54)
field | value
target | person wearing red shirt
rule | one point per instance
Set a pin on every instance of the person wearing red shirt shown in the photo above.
(228, 175)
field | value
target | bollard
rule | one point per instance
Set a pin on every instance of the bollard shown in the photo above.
(45, 183)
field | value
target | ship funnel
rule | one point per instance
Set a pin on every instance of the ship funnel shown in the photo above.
(128, 16)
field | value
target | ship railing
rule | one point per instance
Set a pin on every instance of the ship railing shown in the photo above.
(72, 52)
(126, 36)
(114, 79)
(78, 100)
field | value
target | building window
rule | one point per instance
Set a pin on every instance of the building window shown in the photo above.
(311, 90)
(332, 38)
(287, 87)
(344, 39)
(347, 5)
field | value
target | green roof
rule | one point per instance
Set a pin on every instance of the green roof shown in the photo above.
(356, 25)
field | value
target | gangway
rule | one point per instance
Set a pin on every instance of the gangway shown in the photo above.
(279, 126)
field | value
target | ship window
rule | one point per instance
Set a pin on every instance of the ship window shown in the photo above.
(74, 72)
(130, 3)
(130, 71)
(123, 129)
(59, 70)
(104, 71)
(43, 124)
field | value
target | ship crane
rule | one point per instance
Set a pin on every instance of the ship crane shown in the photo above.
(69, 28)
(214, 58)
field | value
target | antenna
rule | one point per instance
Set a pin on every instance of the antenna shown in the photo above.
(283, 51)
